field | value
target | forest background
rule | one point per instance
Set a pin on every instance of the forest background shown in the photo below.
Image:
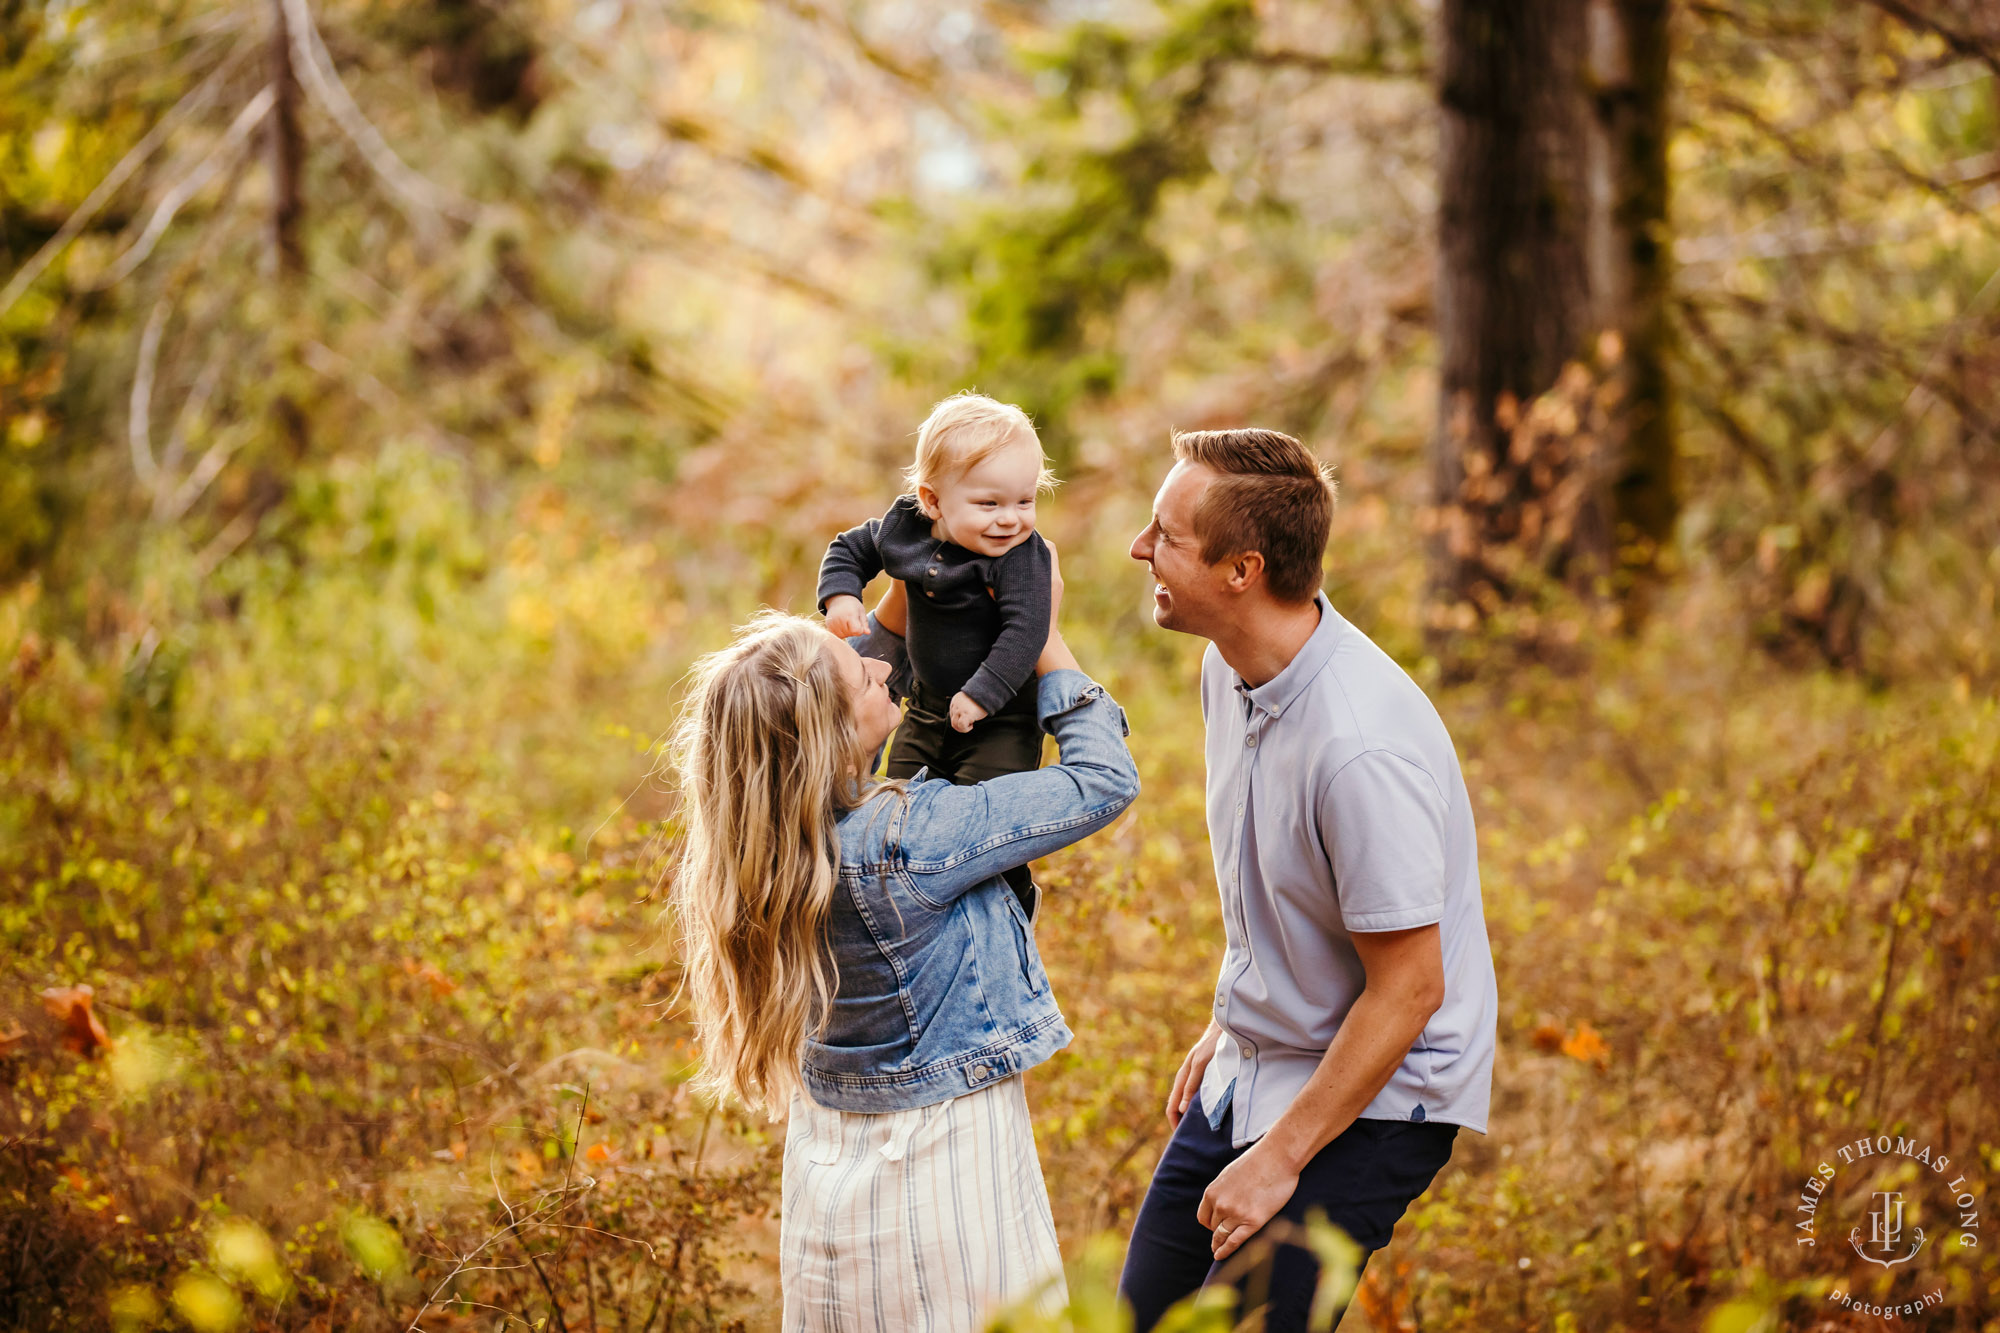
(395, 398)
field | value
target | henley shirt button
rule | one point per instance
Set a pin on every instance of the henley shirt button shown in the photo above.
(1246, 1052)
(1249, 742)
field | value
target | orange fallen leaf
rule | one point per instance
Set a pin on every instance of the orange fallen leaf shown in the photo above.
(431, 974)
(597, 1152)
(1586, 1045)
(458, 1150)
(1548, 1038)
(82, 1031)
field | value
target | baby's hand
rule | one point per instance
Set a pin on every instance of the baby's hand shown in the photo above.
(846, 616)
(964, 712)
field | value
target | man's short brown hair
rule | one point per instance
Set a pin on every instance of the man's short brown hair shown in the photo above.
(1272, 497)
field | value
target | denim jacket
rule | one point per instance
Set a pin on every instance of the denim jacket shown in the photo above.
(940, 989)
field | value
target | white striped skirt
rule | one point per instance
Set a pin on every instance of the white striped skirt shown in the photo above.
(927, 1220)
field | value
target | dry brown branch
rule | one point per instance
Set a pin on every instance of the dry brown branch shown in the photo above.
(224, 544)
(1970, 45)
(184, 189)
(139, 411)
(113, 179)
(422, 199)
(1922, 397)
(192, 407)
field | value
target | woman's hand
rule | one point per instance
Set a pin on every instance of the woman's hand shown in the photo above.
(1056, 655)
(1188, 1081)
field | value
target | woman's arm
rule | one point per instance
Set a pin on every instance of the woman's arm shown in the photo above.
(956, 838)
(892, 613)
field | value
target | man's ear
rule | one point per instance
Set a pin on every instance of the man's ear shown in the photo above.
(1246, 570)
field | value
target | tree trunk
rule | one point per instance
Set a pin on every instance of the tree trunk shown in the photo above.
(1631, 274)
(287, 148)
(1513, 286)
(1551, 232)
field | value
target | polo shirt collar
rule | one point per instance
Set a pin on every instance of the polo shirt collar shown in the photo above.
(1275, 695)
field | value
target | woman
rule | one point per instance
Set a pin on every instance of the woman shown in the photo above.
(854, 953)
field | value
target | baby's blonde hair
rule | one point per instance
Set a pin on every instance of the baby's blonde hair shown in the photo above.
(964, 431)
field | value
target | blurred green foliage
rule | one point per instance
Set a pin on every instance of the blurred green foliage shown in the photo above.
(335, 783)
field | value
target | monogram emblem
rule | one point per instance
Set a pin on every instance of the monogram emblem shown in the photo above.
(1885, 1232)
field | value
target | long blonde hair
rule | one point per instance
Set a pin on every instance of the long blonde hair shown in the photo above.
(767, 759)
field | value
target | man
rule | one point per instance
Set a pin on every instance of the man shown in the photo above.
(1352, 1031)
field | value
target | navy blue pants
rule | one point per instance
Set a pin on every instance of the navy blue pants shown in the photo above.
(1364, 1181)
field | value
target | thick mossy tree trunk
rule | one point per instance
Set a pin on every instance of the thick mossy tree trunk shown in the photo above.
(1631, 276)
(1551, 233)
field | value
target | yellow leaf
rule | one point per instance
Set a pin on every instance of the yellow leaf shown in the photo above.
(207, 1303)
(374, 1246)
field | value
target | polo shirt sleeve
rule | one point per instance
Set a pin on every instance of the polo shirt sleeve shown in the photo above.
(1381, 822)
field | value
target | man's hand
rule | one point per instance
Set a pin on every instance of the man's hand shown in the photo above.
(1056, 655)
(964, 711)
(1188, 1081)
(846, 616)
(1247, 1194)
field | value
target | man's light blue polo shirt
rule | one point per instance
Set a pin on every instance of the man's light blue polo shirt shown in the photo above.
(1336, 805)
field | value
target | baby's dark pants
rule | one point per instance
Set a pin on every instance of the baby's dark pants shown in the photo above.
(1009, 741)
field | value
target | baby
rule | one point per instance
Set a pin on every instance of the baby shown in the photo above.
(977, 577)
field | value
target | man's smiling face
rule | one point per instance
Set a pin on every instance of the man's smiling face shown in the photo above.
(1188, 592)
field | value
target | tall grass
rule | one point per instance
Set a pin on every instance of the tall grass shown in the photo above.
(351, 844)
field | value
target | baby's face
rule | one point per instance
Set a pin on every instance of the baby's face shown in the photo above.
(990, 508)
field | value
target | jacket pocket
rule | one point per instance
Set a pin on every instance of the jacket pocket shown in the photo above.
(1031, 971)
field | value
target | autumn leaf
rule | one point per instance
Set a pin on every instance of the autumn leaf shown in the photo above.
(1585, 1044)
(597, 1152)
(82, 1031)
(1548, 1038)
(432, 975)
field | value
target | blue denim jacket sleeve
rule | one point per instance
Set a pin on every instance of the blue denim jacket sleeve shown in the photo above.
(954, 839)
